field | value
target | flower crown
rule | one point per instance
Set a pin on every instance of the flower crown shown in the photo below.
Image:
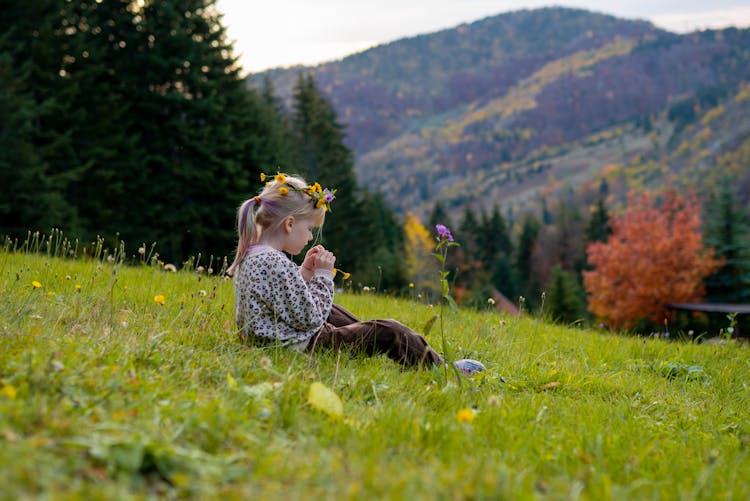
(322, 197)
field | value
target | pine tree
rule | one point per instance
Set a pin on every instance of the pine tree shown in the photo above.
(322, 156)
(598, 228)
(564, 301)
(196, 120)
(99, 46)
(384, 266)
(468, 258)
(439, 216)
(275, 145)
(524, 251)
(35, 162)
(727, 230)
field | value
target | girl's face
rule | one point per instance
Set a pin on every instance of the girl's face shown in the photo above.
(299, 233)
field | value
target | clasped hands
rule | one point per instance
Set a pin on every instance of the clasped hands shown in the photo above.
(318, 258)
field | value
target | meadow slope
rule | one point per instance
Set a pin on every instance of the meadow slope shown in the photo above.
(106, 393)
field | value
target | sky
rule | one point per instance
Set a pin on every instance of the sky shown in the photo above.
(278, 33)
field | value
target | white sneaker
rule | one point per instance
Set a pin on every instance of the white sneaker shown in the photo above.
(469, 367)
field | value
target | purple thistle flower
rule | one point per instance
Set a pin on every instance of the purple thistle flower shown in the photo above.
(443, 232)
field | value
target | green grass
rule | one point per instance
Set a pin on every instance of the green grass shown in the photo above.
(105, 394)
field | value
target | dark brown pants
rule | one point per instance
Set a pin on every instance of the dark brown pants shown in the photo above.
(390, 337)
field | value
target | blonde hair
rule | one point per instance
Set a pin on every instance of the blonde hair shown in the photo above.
(266, 211)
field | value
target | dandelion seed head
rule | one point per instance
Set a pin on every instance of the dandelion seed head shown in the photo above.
(494, 400)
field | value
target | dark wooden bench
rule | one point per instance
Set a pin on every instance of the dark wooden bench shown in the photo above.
(725, 308)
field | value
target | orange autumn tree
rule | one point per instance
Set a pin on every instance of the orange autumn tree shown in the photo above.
(654, 256)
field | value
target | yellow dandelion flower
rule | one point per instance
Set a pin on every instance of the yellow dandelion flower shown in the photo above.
(347, 275)
(280, 178)
(465, 415)
(411, 285)
(36, 284)
(262, 177)
(78, 287)
(159, 299)
(335, 271)
(318, 188)
(320, 203)
(9, 392)
(284, 191)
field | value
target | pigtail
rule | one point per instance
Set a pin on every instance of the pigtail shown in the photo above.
(246, 230)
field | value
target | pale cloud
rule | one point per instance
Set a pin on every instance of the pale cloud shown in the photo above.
(289, 32)
(691, 21)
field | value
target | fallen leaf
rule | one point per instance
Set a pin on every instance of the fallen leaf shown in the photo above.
(324, 399)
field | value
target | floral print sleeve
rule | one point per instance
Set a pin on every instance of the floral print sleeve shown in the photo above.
(274, 301)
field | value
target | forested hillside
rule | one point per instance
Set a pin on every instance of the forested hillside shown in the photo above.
(505, 109)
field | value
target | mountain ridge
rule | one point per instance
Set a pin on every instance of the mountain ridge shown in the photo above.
(504, 92)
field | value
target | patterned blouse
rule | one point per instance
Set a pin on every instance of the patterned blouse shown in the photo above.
(273, 301)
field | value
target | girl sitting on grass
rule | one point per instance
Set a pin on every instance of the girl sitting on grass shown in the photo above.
(278, 301)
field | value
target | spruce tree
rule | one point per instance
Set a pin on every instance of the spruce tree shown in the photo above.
(321, 156)
(497, 248)
(195, 120)
(439, 216)
(468, 256)
(100, 44)
(524, 249)
(598, 228)
(564, 301)
(727, 230)
(36, 162)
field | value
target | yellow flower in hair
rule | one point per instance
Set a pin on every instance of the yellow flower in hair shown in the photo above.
(262, 177)
(317, 188)
(284, 190)
(320, 203)
(280, 178)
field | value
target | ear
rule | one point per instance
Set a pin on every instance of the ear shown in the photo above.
(288, 224)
